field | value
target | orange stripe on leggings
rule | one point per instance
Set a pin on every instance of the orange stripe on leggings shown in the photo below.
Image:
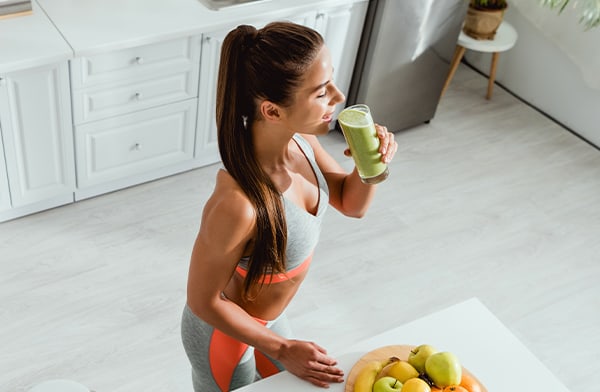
(224, 355)
(264, 365)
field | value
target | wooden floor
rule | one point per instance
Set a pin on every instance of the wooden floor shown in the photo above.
(491, 199)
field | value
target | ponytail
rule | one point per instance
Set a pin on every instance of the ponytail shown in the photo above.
(256, 65)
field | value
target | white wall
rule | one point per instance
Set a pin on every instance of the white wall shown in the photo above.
(555, 66)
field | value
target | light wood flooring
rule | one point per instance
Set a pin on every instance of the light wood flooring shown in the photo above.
(491, 199)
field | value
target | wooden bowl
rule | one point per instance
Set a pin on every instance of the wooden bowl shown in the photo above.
(380, 354)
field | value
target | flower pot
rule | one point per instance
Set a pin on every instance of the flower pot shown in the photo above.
(482, 24)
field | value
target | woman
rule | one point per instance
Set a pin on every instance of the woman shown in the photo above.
(261, 224)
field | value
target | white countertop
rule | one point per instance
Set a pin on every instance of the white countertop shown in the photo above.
(62, 29)
(91, 26)
(469, 330)
(28, 41)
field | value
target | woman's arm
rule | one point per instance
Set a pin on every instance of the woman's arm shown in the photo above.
(347, 193)
(228, 224)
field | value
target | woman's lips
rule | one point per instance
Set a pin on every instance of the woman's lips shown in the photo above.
(328, 117)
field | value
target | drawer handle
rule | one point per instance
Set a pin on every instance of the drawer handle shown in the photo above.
(137, 96)
(136, 147)
(139, 60)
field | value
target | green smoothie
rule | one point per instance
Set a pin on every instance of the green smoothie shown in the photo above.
(362, 139)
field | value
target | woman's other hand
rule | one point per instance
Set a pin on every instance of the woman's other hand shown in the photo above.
(387, 145)
(310, 362)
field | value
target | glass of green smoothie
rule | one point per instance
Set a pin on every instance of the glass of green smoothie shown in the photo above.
(359, 130)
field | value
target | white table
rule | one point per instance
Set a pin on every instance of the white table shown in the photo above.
(505, 38)
(481, 342)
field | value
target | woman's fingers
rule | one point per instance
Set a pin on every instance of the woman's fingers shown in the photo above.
(388, 145)
(324, 369)
(382, 133)
(325, 375)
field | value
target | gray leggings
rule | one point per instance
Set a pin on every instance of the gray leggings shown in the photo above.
(221, 363)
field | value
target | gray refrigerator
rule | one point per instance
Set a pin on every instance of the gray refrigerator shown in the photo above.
(404, 58)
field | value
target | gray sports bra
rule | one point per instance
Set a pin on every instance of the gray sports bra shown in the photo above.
(303, 228)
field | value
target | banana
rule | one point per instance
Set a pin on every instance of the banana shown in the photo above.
(366, 377)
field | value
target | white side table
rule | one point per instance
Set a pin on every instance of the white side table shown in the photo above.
(505, 38)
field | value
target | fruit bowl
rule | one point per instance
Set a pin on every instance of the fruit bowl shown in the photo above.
(400, 351)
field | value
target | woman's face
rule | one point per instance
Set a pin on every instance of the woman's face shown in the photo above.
(316, 98)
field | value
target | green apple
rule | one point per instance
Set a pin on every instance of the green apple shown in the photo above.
(419, 355)
(400, 370)
(387, 384)
(443, 369)
(415, 385)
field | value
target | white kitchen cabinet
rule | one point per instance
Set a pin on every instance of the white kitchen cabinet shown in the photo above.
(35, 115)
(341, 27)
(91, 103)
(134, 111)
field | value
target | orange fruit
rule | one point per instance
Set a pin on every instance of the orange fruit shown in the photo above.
(455, 388)
(470, 383)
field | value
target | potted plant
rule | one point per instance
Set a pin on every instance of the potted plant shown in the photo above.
(483, 18)
(590, 11)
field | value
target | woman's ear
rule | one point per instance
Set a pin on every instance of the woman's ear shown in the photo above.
(270, 111)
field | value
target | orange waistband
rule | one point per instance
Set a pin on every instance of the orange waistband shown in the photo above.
(281, 277)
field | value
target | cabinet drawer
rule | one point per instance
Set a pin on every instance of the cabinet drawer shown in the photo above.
(141, 62)
(134, 144)
(100, 102)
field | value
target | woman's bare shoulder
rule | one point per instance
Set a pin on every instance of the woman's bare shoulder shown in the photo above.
(229, 202)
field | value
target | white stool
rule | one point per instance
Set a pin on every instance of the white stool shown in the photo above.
(505, 38)
(59, 386)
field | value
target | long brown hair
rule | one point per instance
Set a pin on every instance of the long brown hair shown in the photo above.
(257, 65)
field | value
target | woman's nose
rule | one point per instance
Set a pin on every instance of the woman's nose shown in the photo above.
(337, 96)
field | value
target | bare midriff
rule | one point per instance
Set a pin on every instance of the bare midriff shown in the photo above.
(265, 302)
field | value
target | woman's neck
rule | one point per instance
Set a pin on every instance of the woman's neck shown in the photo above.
(271, 145)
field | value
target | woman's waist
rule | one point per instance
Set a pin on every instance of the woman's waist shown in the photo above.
(266, 301)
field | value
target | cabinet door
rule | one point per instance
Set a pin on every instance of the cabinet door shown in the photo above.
(4, 192)
(341, 27)
(207, 150)
(35, 110)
